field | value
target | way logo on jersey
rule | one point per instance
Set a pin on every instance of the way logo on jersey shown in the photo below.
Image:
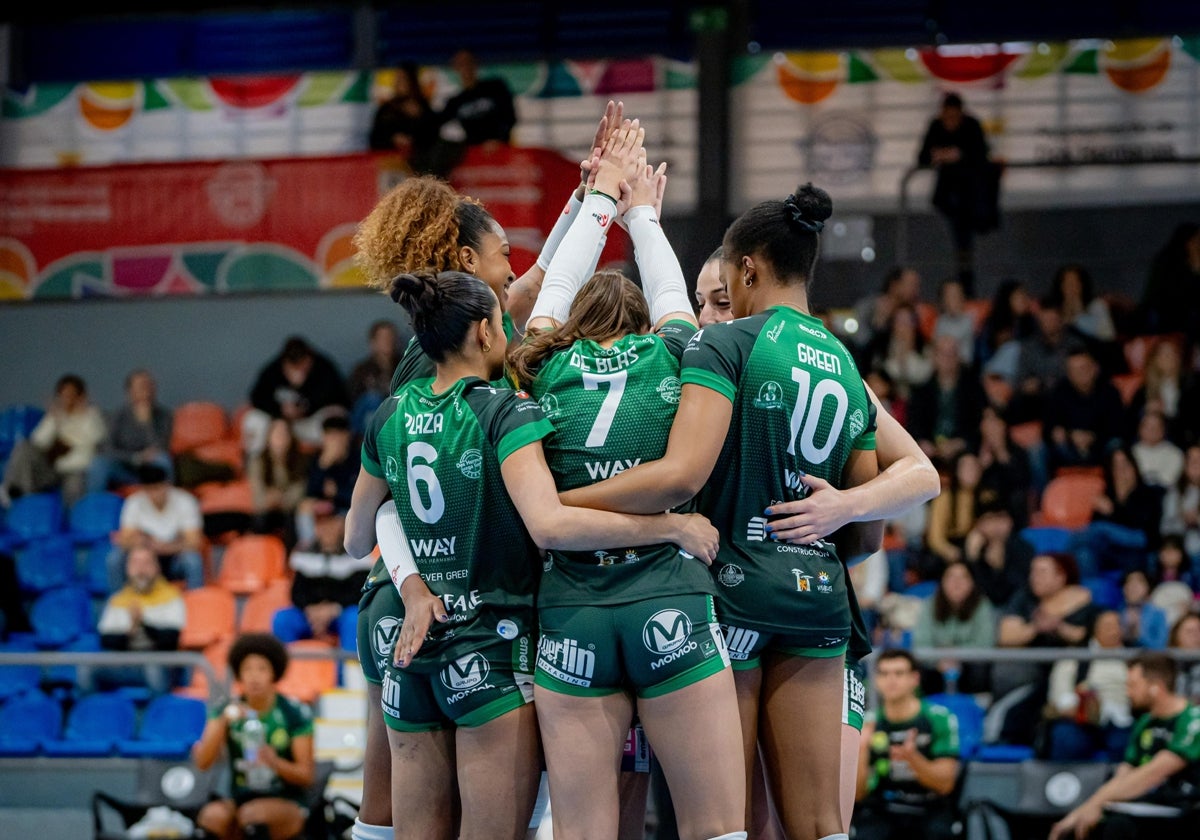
(440, 547)
(739, 641)
(756, 529)
(770, 396)
(791, 480)
(565, 660)
(423, 424)
(603, 469)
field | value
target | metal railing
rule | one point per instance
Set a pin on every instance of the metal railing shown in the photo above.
(101, 659)
(903, 210)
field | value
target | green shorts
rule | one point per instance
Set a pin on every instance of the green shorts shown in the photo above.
(854, 695)
(655, 646)
(747, 644)
(380, 614)
(485, 673)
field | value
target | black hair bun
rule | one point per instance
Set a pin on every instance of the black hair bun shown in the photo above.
(808, 208)
(415, 291)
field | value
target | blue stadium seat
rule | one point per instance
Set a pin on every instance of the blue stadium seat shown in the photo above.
(94, 726)
(969, 713)
(1048, 539)
(169, 726)
(18, 679)
(17, 422)
(26, 721)
(61, 616)
(46, 563)
(1106, 594)
(95, 571)
(88, 642)
(1004, 753)
(923, 589)
(94, 517)
(33, 516)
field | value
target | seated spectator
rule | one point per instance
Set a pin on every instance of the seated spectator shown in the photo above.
(370, 380)
(1143, 623)
(1185, 635)
(299, 385)
(952, 513)
(59, 450)
(873, 312)
(1161, 764)
(1087, 315)
(326, 586)
(1010, 320)
(1171, 564)
(278, 476)
(944, 413)
(138, 433)
(13, 616)
(900, 350)
(1088, 711)
(147, 614)
(1042, 357)
(954, 321)
(1181, 505)
(958, 615)
(1082, 416)
(268, 788)
(1171, 298)
(1159, 461)
(331, 477)
(1125, 520)
(164, 519)
(481, 113)
(908, 759)
(998, 553)
(1008, 470)
(1167, 388)
(405, 122)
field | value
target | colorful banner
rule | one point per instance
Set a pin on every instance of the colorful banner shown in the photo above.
(242, 226)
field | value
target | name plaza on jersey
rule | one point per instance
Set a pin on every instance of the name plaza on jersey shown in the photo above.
(423, 424)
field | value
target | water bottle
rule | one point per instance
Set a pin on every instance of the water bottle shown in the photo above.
(254, 738)
(951, 676)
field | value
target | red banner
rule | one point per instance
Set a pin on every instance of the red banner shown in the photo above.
(252, 225)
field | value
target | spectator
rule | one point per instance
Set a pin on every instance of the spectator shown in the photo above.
(954, 320)
(1159, 461)
(1010, 320)
(1185, 635)
(1087, 315)
(299, 385)
(138, 433)
(1171, 299)
(1181, 505)
(268, 789)
(370, 380)
(1042, 357)
(331, 477)
(908, 759)
(482, 112)
(958, 615)
(870, 579)
(1175, 581)
(147, 614)
(164, 519)
(900, 351)
(59, 450)
(966, 192)
(999, 554)
(1088, 710)
(278, 477)
(1167, 388)
(873, 313)
(880, 381)
(1161, 764)
(1143, 623)
(405, 122)
(944, 417)
(326, 586)
(1125, 520)
(1008, 474)
(952, 513)
(1082, 417)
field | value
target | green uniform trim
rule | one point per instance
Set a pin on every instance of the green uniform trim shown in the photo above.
(701, 672)
(710, 380)
(497, 708)
(522, 437)
(551, 683)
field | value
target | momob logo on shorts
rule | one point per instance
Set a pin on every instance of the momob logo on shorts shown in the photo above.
(465, 672)
(384, 635)
(666, 631)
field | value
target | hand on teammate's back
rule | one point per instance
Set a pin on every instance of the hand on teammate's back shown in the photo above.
(697, 537)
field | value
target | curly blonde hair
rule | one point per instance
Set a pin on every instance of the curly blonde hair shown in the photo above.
(416, 226)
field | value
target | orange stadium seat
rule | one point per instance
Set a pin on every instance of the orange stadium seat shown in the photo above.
(1127, 385)
(1067, 500)
(211, 617)
(259, 609)
(306, 679)
(224, 451)
(217, 655)
(225, 497)
(197, 423)
(251, 562)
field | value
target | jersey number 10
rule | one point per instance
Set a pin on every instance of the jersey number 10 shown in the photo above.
(806, 416)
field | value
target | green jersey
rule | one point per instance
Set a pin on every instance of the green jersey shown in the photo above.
(612, 409)
(440, 455)
(284, 722)
(799, 406)
(895, 781)
(1180, 735)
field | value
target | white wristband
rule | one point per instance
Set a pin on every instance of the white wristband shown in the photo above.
(561, 225)
(393, 545)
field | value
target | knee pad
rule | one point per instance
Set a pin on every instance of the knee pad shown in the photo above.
(363, 831)
(733, 835)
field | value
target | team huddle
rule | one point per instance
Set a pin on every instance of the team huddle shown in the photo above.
(591, 504)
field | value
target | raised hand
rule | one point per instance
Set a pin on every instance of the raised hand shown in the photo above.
(648, 186)
(621, 158)
(609, 123)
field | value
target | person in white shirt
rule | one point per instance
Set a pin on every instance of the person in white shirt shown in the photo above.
(60, 449)
(1159, 461)
(165, 519)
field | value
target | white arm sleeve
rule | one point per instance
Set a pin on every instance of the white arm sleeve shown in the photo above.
(579, 250)
(662, 278)
(561, 225)
(393, 545)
